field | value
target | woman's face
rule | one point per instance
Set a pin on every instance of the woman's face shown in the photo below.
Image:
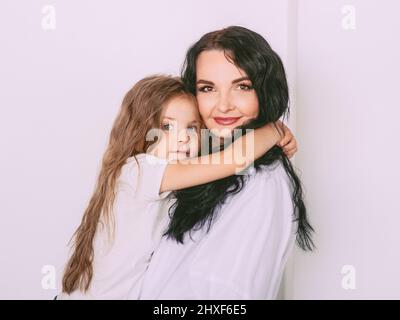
(225, 94)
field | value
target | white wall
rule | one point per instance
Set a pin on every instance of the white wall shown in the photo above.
(60, 92)
(347, 114)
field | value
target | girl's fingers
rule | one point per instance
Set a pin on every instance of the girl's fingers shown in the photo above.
(290, 152)
(285, 140)
(287, 135)
(288, 142)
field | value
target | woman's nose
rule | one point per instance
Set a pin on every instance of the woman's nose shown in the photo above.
(223, 103)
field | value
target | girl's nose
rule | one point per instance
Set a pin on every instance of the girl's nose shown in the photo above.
(183, 136)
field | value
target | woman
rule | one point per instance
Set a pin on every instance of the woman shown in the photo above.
(252, 219)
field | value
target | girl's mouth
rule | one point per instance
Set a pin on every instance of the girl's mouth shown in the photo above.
(225, 121)
(185, 153)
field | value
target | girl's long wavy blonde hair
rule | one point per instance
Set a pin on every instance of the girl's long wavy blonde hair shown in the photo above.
(140, 111)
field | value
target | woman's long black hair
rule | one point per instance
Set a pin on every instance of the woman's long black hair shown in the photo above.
(249, 51)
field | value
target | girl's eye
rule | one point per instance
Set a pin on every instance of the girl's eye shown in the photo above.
(193, 128)
(205, 89)
(245, 87)
(166, 126)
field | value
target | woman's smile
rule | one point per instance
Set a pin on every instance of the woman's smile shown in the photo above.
(226, 121)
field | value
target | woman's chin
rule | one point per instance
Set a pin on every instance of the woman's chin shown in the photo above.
(222, 132)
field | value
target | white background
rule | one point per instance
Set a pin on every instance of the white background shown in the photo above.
(61, 90)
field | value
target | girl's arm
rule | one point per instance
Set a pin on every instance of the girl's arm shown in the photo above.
(236, 157)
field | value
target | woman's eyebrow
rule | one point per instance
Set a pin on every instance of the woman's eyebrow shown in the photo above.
(204, 81)
(233, 81)
(240, 79)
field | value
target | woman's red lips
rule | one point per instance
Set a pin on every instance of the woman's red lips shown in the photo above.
(226, 120)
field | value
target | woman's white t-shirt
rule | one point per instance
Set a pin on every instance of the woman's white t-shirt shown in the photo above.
(241, 257)
(140, 216)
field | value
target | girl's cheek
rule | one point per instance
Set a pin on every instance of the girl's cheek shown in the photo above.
(158, 151)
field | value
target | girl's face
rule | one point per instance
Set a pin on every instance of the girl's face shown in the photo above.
(224, 93)
(180, 128)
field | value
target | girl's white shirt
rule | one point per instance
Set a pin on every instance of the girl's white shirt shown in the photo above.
(244, 254)
(140, 215)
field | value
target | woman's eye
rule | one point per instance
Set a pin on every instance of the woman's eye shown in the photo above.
(245, 87)
(205, 89)
(166, 126)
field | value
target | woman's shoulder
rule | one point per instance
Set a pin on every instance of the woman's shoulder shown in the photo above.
(268, 193)
(271, 173)
(270, 181)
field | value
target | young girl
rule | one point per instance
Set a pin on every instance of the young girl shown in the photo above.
(124, 220)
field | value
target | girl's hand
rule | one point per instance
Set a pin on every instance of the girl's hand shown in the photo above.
(288, 143)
